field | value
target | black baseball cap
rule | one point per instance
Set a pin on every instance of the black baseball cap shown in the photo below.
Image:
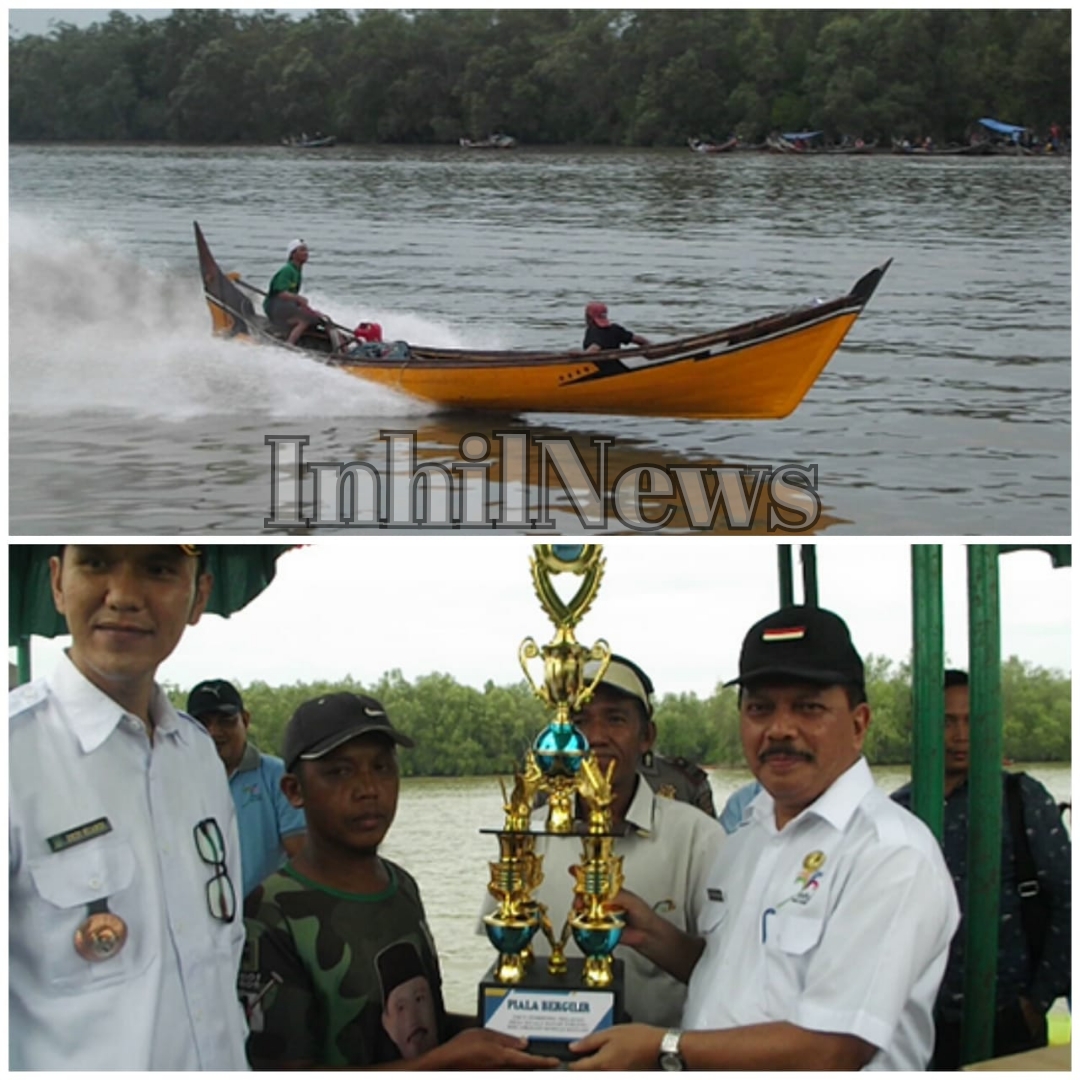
(803, 643)
(326, 722)
(214, 695)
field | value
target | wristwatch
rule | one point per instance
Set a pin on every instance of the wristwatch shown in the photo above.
(670, 1058)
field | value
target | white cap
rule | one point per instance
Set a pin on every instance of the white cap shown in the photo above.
(623, 676)
(293, 245)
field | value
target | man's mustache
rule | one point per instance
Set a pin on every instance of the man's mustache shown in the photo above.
(784, 750)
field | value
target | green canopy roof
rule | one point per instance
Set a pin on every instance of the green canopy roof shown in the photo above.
(241, 572)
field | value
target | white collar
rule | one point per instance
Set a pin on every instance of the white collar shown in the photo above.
(92, 715)
(641, 813)
(836, 804)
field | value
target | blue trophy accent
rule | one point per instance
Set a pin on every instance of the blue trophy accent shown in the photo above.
(559, 748)
(593, 942)
(510, 939)
(567, 552)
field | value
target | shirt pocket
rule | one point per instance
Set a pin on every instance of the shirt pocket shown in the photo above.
(796, 936)
(65, 885)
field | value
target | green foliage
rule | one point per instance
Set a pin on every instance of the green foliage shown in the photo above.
(462, 731)
(642, 77)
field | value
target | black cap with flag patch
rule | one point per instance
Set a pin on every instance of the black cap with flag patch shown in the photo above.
(801, 643)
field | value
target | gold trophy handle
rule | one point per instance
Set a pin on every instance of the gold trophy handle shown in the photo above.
(529, 650)
(600, 651)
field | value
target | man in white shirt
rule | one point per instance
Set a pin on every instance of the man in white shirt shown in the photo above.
(124, 867)
(667, 850)
(830, 915)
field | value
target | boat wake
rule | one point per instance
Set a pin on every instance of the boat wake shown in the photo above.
(93, 329)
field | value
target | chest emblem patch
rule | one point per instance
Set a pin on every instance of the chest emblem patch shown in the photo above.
(808, 879)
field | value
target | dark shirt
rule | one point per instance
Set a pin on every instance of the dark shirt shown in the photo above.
(1051, 852)
(677, 778)
(607, 337)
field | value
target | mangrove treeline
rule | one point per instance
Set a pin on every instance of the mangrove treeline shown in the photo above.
(637, 78)
(462, 731)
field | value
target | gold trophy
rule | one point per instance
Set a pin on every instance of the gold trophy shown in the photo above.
(572, 998)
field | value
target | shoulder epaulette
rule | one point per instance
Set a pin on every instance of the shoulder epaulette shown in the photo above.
(26, 697)
(695, 772)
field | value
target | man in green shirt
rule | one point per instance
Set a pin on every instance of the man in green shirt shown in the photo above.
(284, 306)
(340, 969)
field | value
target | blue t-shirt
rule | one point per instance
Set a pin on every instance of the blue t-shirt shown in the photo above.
(263, 815)
(735, 808)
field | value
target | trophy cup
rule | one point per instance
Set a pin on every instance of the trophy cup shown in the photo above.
(566, 999)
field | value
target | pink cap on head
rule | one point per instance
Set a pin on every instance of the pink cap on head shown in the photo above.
(596, 313)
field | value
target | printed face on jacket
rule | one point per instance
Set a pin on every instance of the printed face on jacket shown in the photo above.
(409, 1017)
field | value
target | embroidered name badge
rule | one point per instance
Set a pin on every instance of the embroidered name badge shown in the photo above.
(79, 835)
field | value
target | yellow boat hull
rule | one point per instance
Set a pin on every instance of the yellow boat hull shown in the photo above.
(758, 370)
(760, 382)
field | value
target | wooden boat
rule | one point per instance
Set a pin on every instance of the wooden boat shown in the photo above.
(492, 142)
(302, 142)
(701, 147)
(976, 149)
(856, 148)
(795, 142)
(759, 369)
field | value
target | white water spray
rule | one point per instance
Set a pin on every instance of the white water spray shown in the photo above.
(94, 330)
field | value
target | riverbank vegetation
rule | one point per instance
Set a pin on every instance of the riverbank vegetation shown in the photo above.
(640, 77)
(462, 731)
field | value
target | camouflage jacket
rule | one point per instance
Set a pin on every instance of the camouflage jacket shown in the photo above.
(321, 947)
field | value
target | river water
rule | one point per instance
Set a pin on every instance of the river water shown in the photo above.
(946, 411)
(436, 836)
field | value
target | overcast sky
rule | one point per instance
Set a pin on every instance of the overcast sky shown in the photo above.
(38, 20)
(679, 606)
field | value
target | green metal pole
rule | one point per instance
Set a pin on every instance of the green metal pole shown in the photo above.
(808, 554)
(928, 696)
(984, 805)
(23, 652)
(787, 580)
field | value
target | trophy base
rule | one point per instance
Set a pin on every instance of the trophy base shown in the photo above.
(552, 1011)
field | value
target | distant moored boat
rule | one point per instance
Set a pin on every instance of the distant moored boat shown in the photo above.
(492, 142)
(302, 142)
